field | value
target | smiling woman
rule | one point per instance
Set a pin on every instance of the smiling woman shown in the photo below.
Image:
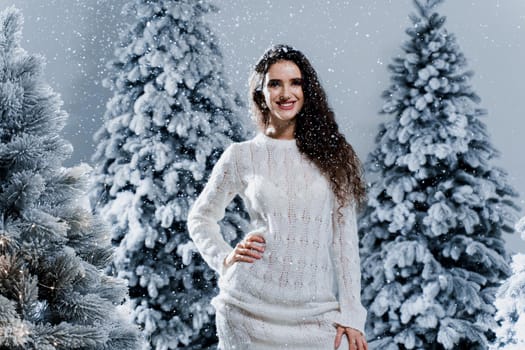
(294, 280)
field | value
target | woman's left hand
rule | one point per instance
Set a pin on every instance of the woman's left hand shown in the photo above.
(356, 339)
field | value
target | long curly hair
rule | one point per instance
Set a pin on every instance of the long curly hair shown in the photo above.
(316, 131)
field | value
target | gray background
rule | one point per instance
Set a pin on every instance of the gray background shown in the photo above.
(349, 42)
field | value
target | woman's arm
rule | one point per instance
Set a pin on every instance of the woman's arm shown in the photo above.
(345, 247)
(209, 208)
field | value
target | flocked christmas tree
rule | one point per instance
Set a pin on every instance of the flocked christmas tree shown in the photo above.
(170, 118)
(510, 304)
(432, 247)
(54, 293)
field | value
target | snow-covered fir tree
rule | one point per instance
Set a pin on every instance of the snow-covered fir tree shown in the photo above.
(170, 118)
(54, 293)
(432, 248)
(510, 304)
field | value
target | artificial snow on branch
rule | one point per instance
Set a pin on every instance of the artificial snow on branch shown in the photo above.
(54, 293)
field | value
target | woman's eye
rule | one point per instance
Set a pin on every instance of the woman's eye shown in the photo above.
(273, 83)
(298, 82)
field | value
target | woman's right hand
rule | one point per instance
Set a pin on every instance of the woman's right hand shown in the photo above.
(248, 250)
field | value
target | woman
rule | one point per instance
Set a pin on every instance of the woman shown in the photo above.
(294, 281)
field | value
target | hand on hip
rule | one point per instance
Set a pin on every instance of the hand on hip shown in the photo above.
(248, 250)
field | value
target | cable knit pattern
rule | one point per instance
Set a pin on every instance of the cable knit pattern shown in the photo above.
(309, 277)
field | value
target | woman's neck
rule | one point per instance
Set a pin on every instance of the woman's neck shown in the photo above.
(281, 129)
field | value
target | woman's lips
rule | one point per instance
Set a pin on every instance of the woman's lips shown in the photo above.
(289, 105)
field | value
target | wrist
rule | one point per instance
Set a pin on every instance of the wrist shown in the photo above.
(226, 262)
(355, 329)
(352, 328)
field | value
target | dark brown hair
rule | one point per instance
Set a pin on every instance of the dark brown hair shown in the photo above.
(316, 131)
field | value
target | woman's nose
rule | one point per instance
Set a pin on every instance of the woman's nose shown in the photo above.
(285, 93)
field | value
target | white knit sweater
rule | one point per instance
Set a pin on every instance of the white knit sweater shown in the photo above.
(310, 266)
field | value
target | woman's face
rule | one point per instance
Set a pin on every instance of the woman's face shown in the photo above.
(283, 90)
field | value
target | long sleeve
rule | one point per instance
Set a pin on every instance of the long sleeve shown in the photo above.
(209, 209)
(345, 247)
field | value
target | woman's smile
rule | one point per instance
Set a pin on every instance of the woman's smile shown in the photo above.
(286, 106)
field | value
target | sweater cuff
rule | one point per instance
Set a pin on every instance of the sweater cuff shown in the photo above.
(352, 321)
(220, 257)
